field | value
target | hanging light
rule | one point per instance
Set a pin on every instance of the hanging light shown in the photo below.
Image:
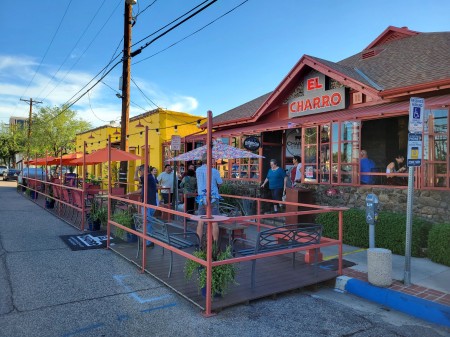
(157, 132)
(175, 129)
(198, 123)
(91, 136)
(128, 136)
(139, 125)
(141, 133)
(116, 132)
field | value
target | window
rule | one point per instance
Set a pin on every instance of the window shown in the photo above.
(334, 150)
(310, 154)
(435, 150)
(243, 168)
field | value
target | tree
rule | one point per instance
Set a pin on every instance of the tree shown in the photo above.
(53, 129)
(12, 141)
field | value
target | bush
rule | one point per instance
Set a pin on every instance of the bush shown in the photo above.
(439, 244)
(390, 230)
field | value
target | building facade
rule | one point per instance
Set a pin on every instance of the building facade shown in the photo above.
(327, 112)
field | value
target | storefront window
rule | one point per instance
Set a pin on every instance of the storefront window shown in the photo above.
(243, 168)
(435, 152)
(324, 159)
(310, 154)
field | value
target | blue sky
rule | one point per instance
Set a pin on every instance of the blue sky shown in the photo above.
(243, 55)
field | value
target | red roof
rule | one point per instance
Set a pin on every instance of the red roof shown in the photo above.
(396, 63)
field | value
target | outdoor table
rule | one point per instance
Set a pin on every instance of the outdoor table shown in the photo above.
(233, 230)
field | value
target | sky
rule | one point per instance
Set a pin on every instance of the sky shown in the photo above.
(52, 49)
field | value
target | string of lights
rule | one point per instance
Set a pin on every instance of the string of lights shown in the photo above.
(141, 133)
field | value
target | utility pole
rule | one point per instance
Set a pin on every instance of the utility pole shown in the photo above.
(29, 101)
(126, 61)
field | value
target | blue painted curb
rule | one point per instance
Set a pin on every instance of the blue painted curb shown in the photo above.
(418, 307)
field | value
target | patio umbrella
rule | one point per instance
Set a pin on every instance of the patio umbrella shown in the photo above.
(40, 161)
(66, 159)
(219, 151)
(101, 156)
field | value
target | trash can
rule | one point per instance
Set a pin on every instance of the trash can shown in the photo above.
(379, 264)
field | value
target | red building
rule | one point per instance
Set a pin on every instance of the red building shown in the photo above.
(327, 112)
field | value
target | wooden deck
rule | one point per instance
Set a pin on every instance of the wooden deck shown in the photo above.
(274, 275)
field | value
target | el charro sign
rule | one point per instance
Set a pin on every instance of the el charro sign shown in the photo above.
(316, 99)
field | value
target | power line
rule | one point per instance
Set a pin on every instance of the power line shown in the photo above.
(86, 49)
(148, 6)
(89, 97)
(178, 18)
(69, 103)
(145, 96)
(76, 44)
(188, 36)
(118, 93)
(48, 48)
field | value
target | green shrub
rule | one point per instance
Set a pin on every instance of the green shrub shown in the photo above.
(439, 244)
(390, 230)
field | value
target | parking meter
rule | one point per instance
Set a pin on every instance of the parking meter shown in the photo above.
(371, 216)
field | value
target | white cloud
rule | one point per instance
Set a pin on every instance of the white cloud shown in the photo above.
(99, 107)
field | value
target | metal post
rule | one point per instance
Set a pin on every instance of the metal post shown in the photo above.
(409, 206)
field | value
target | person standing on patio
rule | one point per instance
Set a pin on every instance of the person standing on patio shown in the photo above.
(151, 196)
(189, 186)
(296, 171)
(216, 181)
(165, 179)
(277, 179)
(366, 165)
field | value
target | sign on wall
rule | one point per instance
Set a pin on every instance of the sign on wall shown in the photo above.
(315, 98)
(293, 142)
(252, 143)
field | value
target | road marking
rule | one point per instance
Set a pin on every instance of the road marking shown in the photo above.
(343, 254)
(83, 330)
(161, 307)
(133, 294)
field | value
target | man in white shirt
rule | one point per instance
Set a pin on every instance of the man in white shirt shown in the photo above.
(295, 174)
(216, 181)
(165, 179)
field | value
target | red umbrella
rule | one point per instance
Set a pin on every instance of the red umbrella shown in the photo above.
(66, 158)
(101, 156)
(41, 161)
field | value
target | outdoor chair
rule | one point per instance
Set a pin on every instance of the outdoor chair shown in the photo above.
(167, 233)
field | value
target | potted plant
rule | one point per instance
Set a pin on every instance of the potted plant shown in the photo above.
(222, 276)
(97, 216)
(125, 219)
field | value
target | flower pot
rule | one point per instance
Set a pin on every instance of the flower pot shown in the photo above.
(204, 293)
(49, 203)
(131, 237)
(95, 225)
(33, 195)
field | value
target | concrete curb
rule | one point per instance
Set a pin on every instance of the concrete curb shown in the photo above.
(411, 305)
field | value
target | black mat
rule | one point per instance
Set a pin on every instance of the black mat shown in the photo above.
(333, 264)
(93, 240)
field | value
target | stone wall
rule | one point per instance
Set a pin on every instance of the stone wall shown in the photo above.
(430, 205)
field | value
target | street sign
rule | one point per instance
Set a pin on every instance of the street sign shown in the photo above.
(416, 111)
(415, 146)
(175, 144)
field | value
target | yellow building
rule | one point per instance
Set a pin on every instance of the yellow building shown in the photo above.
(161, 123)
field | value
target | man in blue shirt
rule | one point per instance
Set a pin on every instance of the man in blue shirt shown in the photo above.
(366, 165)
(151, 196)
(216, 181)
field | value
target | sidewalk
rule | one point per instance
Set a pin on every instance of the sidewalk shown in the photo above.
(428, 296)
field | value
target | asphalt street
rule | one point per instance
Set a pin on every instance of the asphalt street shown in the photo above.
(48, 290)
